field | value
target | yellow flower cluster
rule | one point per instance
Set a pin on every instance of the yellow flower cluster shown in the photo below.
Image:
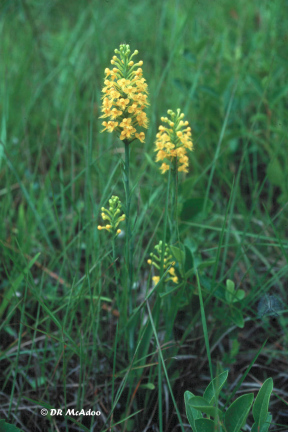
(112, 216)
(168, 261)
(125, 97)
(173, 141)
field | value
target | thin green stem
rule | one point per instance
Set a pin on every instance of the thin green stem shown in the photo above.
(174, 219)
(129, 244)
(115, 271)
(113, 375)
(165, 230)
(160, 411)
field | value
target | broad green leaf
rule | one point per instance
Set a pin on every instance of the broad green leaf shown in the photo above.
(189, 264)
(231, 295)
(192, 413)
(265, 426)
(275, 173)
(237, 413)
(261, 404)
(219, 292)
(237, 317)
(239, 295)
(203, 405)
(193, 208)
(189, 273)
(218, 383)
(5, 427)
(230, 288)
(192, 244)
(178, 254)
(204, 425)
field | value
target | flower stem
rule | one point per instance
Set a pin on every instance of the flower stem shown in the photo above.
(174, 219)
(165, 230)
(129, 245)
(115, 271)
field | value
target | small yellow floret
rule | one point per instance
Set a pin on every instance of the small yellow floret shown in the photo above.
(125, 88)
(164, 167)
(155, 279)
(172, 271)
(172, 143)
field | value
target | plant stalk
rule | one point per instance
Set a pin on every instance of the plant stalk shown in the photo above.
(129, 244)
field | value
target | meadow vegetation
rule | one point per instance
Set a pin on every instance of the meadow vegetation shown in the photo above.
(87, 320)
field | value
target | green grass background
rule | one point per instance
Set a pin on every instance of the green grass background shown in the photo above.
(225, 65)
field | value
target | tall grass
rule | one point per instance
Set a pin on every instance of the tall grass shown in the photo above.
(64, 332)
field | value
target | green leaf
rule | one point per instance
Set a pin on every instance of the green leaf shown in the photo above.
(192, 413)
(261, 404)
(231, 295)
(205, 264)
(191, 243)
(178, 254)
(237, 413)
(149, 386)
(230, 288)
(189, 264)
(234, 348)
(275, 173)
(194, 207)
(5, 427)
(239, 295)
(203, 405)
(204, 425)
(265, 426)
(40, 381)
(219, 292)
(189, 273)
(218, 383)
(237, 317)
